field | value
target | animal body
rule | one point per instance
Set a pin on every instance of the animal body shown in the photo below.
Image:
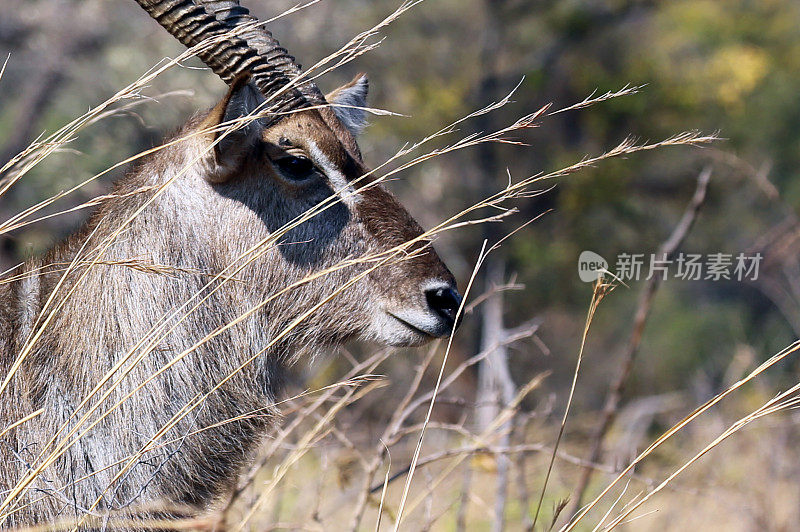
(170, 309)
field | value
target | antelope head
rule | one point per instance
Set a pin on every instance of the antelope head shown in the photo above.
(299, 154)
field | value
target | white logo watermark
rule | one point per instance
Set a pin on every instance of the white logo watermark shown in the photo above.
(591, 266)
(684, 266)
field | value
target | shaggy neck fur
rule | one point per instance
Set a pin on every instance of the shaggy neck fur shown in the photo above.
(163, 259)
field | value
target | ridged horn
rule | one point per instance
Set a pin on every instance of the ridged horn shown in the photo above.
(253, 50)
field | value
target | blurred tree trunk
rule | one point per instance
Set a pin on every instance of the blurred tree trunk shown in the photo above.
(70, 37)
(71, 31)
(495, 387)
(32, 105)
(494, 369)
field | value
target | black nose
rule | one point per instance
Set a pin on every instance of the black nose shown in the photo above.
(444, 302)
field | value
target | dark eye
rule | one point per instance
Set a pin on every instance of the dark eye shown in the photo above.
(295, 167)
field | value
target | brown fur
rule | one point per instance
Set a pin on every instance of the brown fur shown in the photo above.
(226, 202)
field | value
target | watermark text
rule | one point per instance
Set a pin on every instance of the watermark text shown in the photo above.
(683, 266)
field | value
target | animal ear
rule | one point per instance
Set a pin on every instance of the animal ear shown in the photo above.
(348, 102)
(243, 100)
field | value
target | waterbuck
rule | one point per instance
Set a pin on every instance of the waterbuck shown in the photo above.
(165, 325)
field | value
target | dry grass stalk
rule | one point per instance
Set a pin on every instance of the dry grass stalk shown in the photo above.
(418, 448)
(705, 407)
(667, 250)
(783, 401)
(601, 289)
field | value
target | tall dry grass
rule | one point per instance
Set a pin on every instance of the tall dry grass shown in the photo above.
(414, 471)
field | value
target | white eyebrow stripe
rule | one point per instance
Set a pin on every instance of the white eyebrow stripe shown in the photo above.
(341, 186)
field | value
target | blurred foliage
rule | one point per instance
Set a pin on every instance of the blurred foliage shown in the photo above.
(730, 66)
